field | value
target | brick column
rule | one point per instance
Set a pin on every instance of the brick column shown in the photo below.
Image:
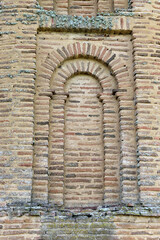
(128, 163)
(56, 149)
(111, 148)
(40, 163)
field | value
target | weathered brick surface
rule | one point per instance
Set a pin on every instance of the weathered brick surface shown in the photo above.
(79, 227)
(111, 119)
(17, 92)
(146, 72)
(84, 7)
(24, 227)
(79, 120)
(119, 227)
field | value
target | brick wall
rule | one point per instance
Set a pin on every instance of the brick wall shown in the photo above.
(84, 7)
(146, 71)
(107, 228)
(22, 227)
(17, 96)
(79, 120)
(79, 227)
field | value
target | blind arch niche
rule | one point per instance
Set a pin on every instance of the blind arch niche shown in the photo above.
(85, 170)
(120, 181)
(83, 143)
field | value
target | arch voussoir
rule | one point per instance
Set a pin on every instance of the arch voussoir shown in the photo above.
(70, 50)
(93, 50)
(78, 66)
(62, 75)
(48, 66)
(70, 69)
(88, 49)
(62, 53)
(98, 68)
(66, 72)
(104, 50)
(66, 52)
(51, 64)
(115, 63)
(112, 57)
(84, 49)
(99, 49)
(57, 54)
(77, 49)
(106, 56)
(55, 57)
(78, 46)
(121, 70)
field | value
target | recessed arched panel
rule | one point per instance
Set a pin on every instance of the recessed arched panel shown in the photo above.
(84, 136)
(111, 73)
(84, 148)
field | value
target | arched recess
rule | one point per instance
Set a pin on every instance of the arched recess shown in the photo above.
(88, 190)
(83, 144)
(97, 56)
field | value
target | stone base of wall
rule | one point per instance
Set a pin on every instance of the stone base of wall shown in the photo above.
(38, 223)
(102, 228)
(19, 228)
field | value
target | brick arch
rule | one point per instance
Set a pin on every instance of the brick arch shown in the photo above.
(124, 95)
(100, 53)
(83, 66)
